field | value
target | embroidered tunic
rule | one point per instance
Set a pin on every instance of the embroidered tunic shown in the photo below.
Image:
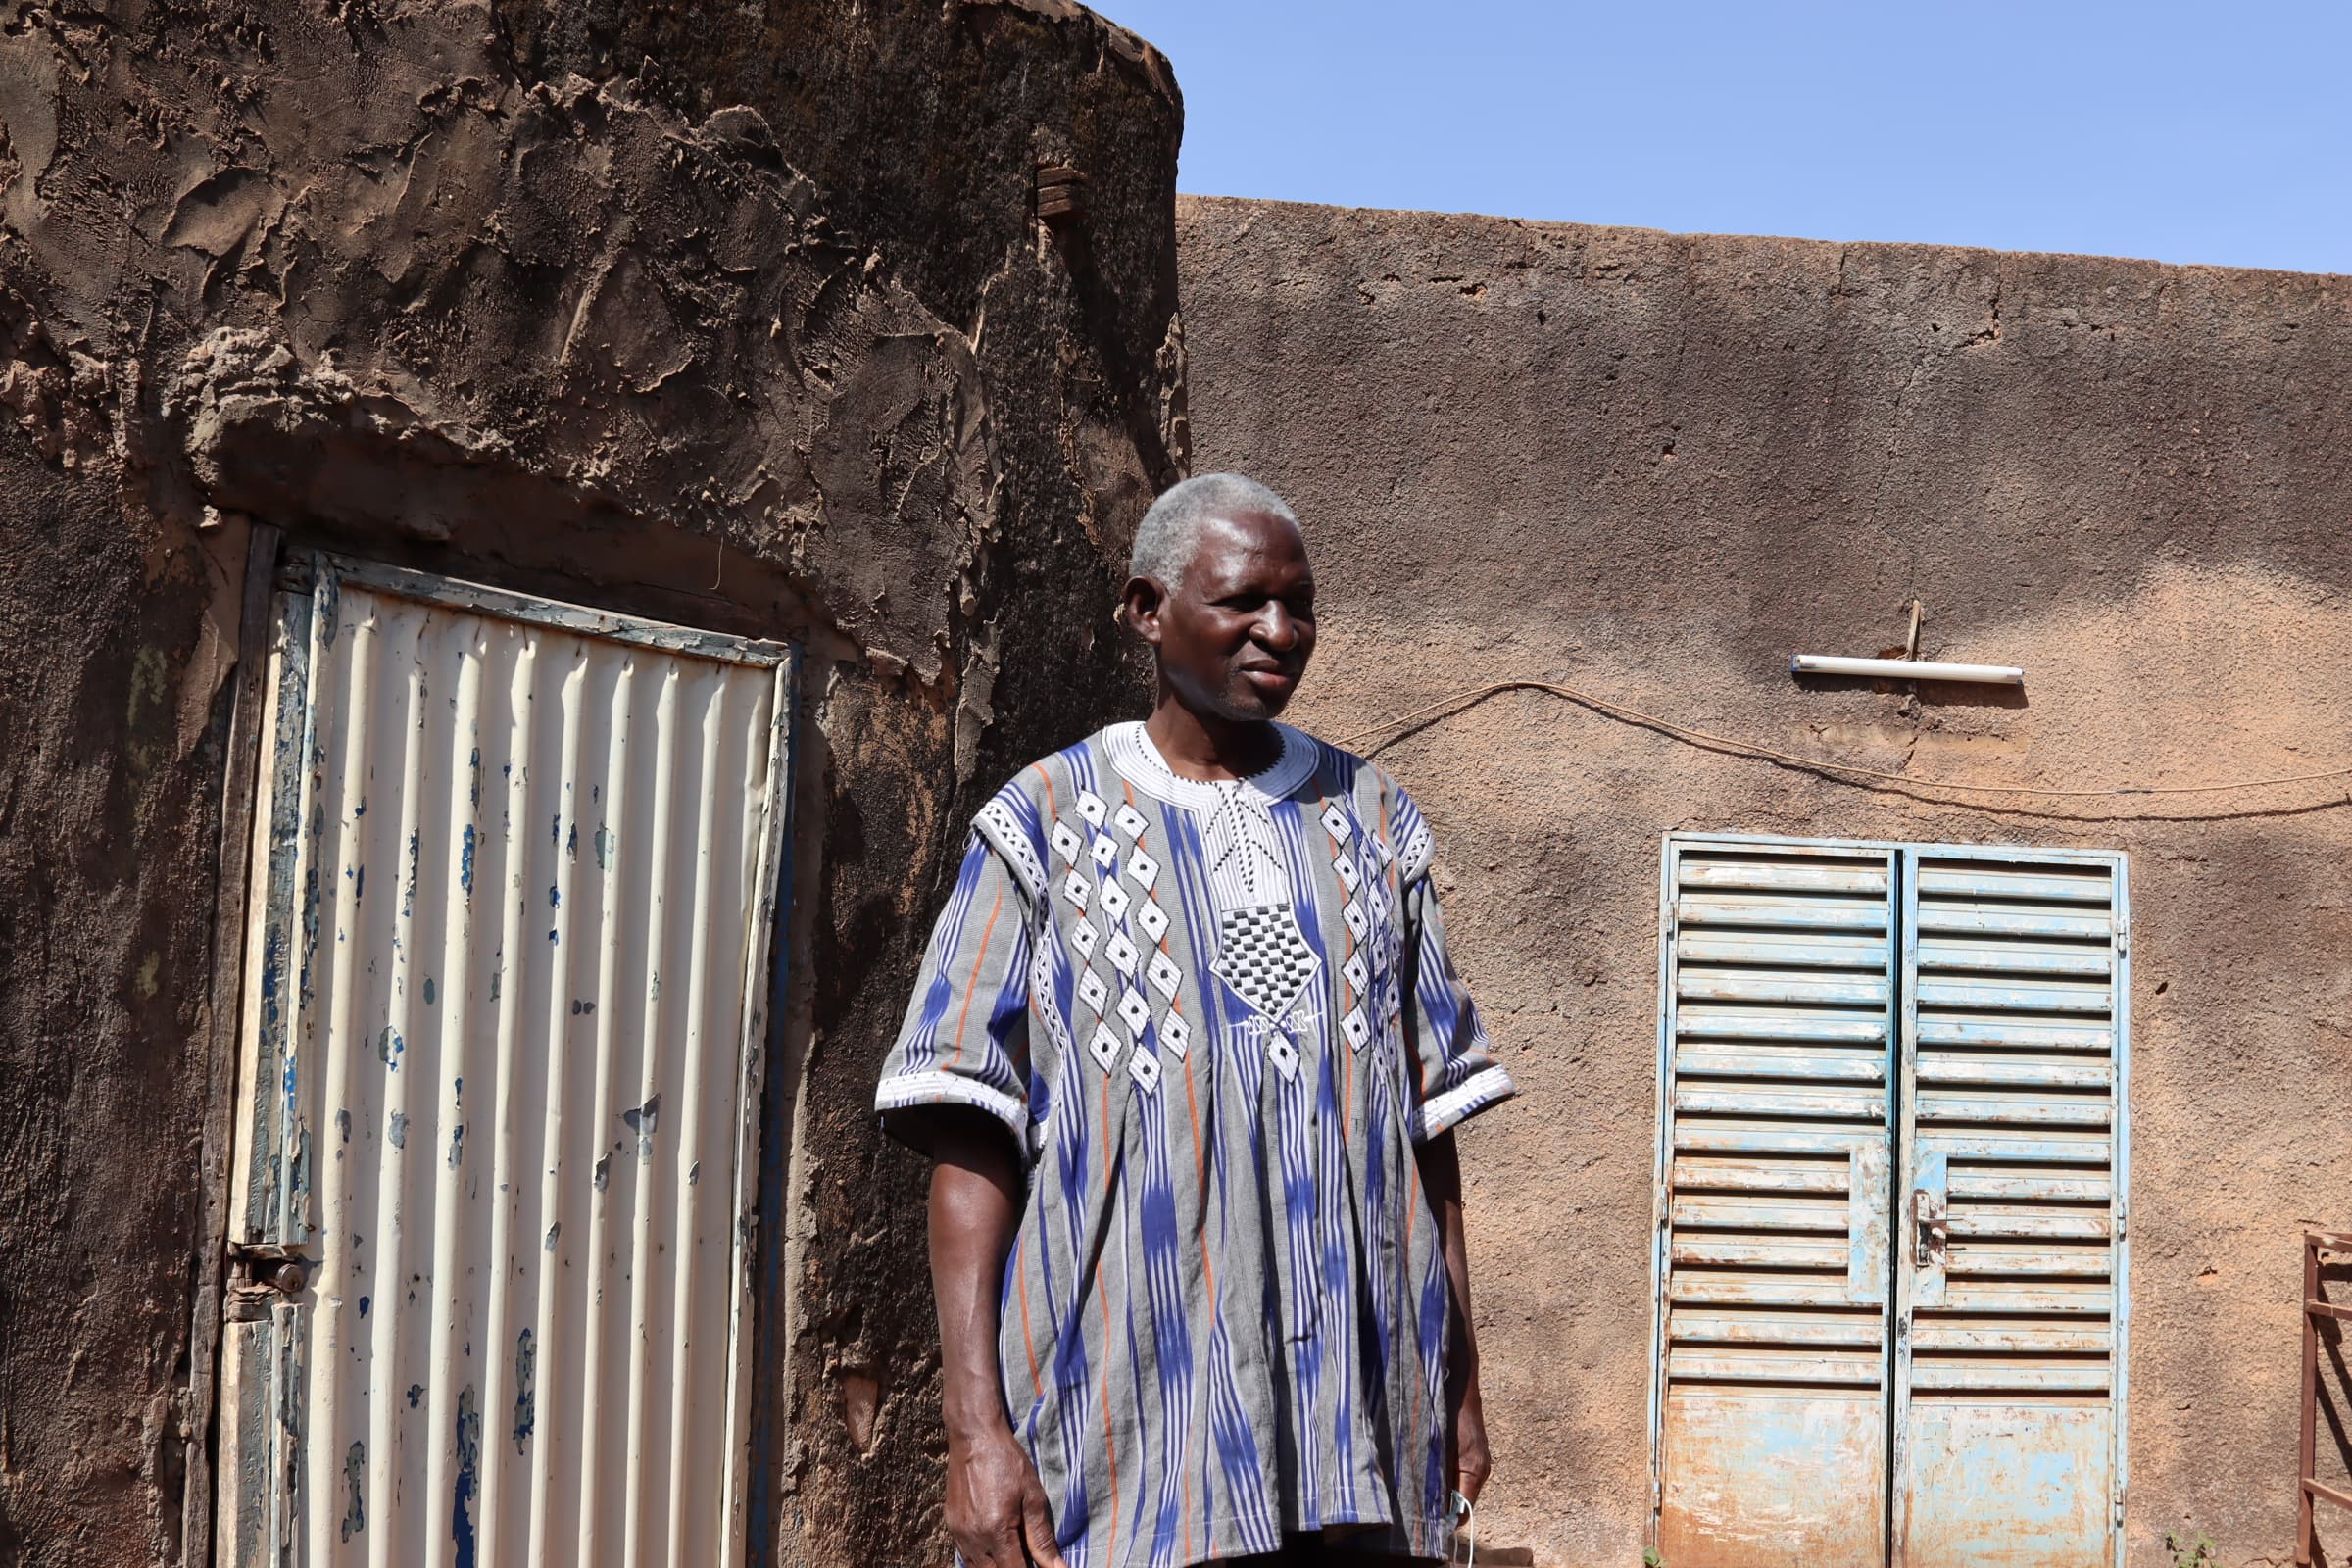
(1215, 1017)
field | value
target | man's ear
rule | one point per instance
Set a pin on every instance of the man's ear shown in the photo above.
(1141, 602)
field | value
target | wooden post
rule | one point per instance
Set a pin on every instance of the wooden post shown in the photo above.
(2307, 1450)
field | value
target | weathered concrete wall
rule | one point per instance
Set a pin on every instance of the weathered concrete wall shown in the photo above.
(1655, 467)
(620, 311)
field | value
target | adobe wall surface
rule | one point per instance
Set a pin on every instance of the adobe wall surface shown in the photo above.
(623, 312)
(1654, 466)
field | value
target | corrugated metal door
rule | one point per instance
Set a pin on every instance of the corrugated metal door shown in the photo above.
(1776, 1052)
(2009, 1374)
(1783, 1435)
(515, 866)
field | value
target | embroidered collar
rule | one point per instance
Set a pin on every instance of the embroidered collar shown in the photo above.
(1138, 762)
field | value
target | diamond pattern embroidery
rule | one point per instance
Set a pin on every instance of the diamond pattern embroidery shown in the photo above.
(1103, 1046)
(1106, 851)
(1265, 959)
(1174, 1032)
(1143, 1068)
(1357, 925)
(1357, 973)
(1133, 1013)
(1131, 822)
(1121, 952)
(1093, 990)
(1350, 877)
(1066, 842)
(1335, 821)
(1091, 807)
(1283, 1054)
(1083, 937)
(1153, 923)
(1355, 1028)
(1114, 900)
(1163, 973)
(1143, 868)
(1073, 888)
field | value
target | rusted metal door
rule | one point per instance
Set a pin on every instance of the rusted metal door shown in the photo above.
(2009, 1364)
(1778, 1052)
(516, 878)
(1891, 1179)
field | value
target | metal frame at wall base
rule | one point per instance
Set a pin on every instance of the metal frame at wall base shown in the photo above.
(2308, 1487)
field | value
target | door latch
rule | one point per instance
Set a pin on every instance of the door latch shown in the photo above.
(260, 1272)
(1931, 1232)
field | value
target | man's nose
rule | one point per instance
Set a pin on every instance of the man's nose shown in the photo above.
(1275, 629)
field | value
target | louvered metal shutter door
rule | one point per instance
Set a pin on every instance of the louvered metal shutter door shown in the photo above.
(2009, 1377)
(518, 868)
(1769, 1408)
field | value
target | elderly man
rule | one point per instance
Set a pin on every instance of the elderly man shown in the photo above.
(1188, 1052)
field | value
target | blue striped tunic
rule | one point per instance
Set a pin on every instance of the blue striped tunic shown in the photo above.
(1215, 1017)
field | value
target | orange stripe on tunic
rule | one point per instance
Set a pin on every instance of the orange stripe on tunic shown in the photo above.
(1021, 1276)
(964, 1013)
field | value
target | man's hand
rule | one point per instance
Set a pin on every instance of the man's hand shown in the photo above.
(996, 1506)
(1471, 1463)
(1467, 1461)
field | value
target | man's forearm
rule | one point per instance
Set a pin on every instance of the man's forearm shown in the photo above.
(1441, 1179)
(975, 1207)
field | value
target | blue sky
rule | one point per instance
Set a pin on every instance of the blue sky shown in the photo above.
(2219, 132)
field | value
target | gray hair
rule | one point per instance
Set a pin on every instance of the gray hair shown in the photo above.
(1169, 535)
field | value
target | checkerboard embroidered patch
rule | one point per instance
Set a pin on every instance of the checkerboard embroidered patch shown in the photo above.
(1263, 956)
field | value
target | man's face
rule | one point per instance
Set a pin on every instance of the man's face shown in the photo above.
(1234, 638)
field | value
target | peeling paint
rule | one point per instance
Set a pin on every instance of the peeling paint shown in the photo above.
(469, 1461)
(642, 1121)
(527, 1366)
(355, 1485)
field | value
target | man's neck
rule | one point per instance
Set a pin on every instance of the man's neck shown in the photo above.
(1209, 747)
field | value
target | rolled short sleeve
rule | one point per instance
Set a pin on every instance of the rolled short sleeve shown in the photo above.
(1455, 1075)
(965, 1039)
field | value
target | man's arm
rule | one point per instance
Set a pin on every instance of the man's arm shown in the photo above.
(1442, 1178)
(994, 1501)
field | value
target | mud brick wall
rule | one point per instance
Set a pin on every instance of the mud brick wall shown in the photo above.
(735, 315)
(1655, 467)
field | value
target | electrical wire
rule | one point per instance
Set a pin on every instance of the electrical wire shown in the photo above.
(1447, 706)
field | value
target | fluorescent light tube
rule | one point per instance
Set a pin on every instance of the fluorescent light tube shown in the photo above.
(1904, 670)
